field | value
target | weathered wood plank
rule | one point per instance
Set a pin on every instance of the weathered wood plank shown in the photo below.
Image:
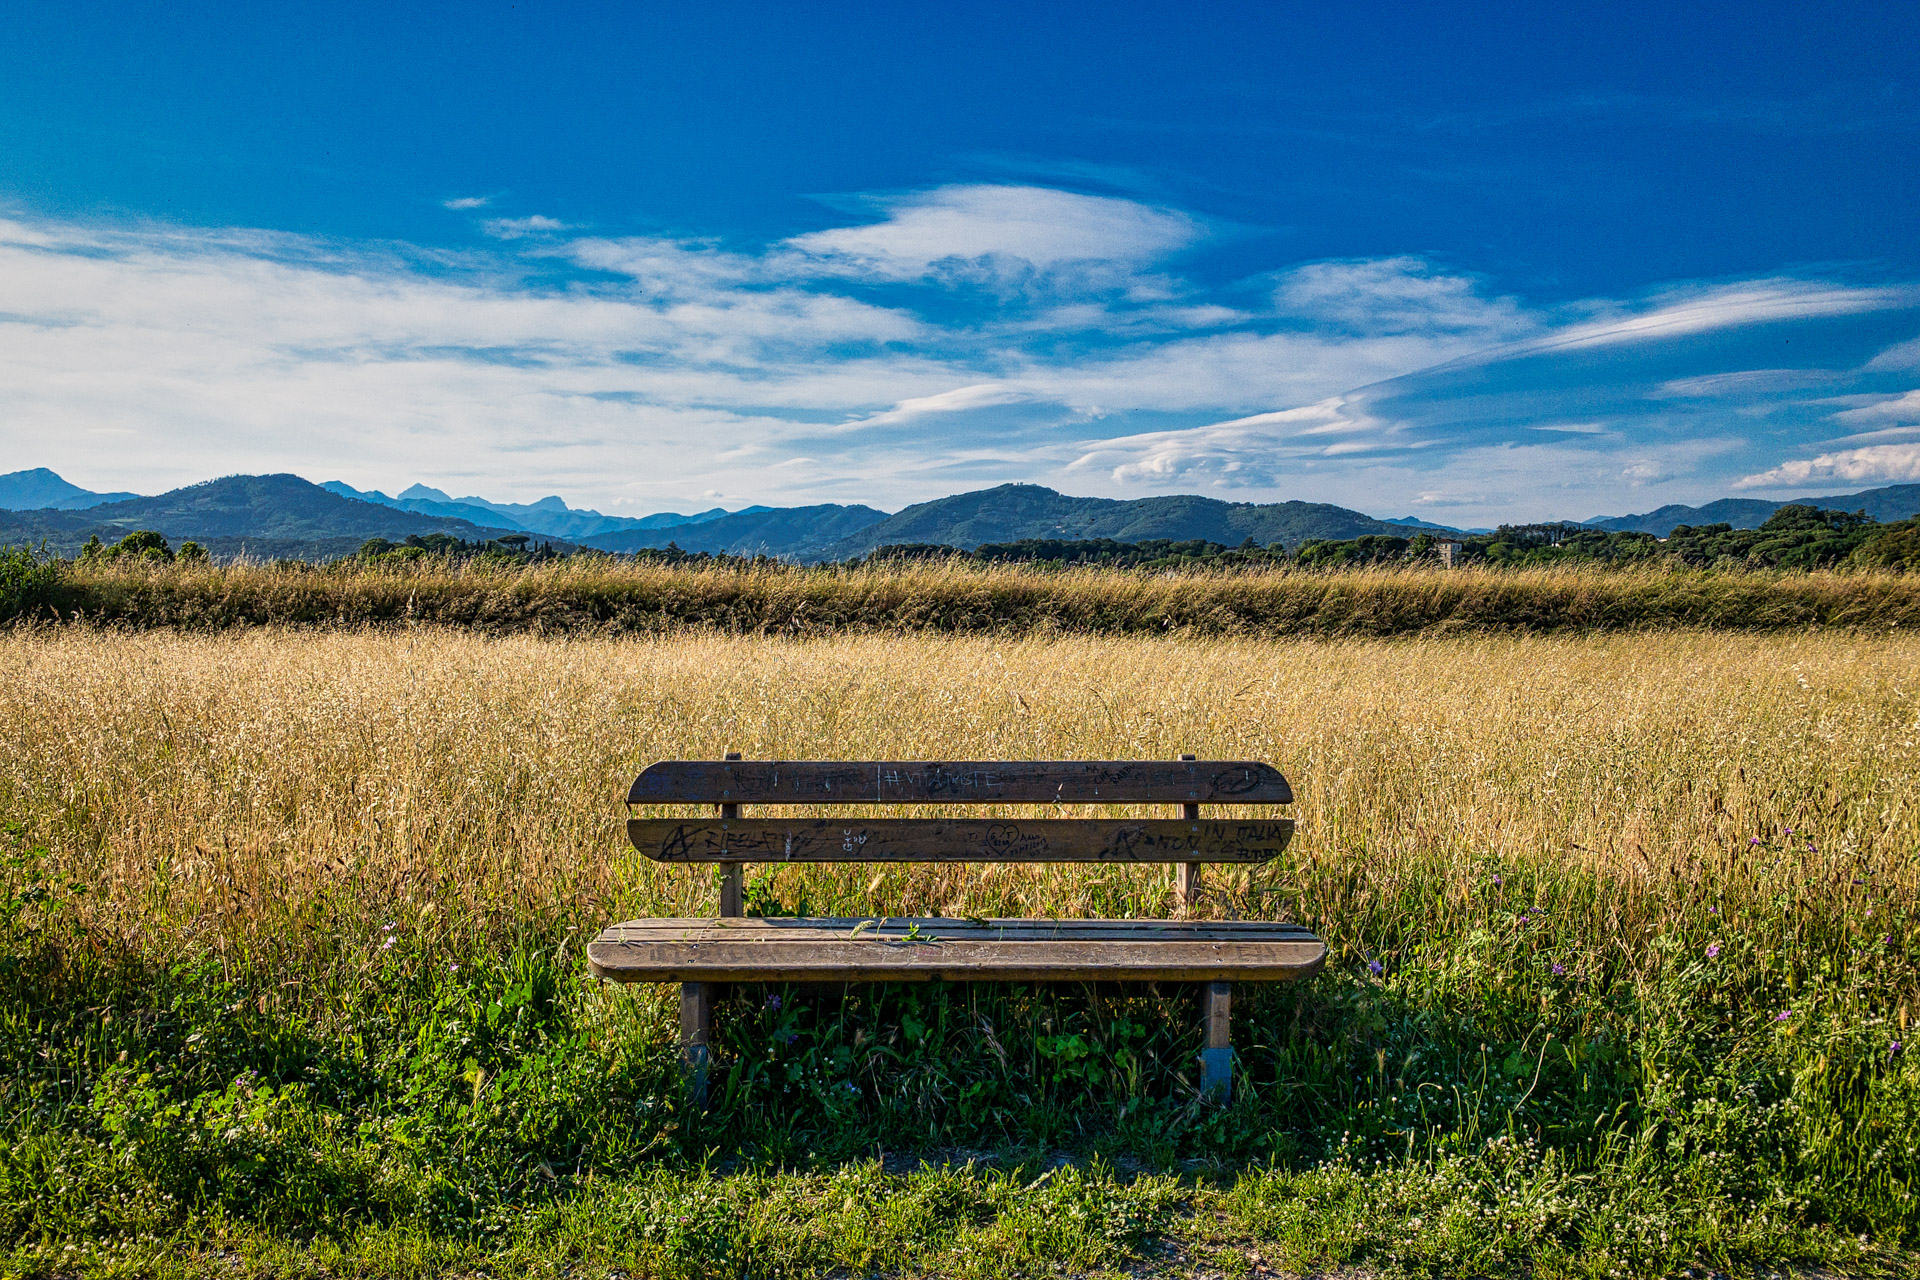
(841, 950)
(897, 928)
(959, 839)
(960, 782)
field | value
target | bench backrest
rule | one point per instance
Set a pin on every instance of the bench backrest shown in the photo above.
(731, 839)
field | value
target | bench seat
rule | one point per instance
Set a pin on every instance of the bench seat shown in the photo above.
(852, 949)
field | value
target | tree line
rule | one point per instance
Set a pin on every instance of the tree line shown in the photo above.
(1794, 537)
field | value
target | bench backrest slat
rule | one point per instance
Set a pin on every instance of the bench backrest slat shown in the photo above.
(960, 839)
(959, 782)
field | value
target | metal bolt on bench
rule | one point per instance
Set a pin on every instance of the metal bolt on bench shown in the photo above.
(698, 953)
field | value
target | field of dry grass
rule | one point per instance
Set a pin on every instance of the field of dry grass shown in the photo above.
(217, 782)
(1623, 932)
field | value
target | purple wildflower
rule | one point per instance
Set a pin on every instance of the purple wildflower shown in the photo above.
(1713, 950)
(1894, 1047)
(1498, 880)
(1376, 967)
(1755, 840)
(773, 1003)
(1558, 968)
(1783, 1015)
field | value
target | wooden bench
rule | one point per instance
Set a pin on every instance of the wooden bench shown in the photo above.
(698, 953)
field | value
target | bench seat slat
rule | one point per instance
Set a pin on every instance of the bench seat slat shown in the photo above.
(895, 928)
(960, 839)
(960, 782)
(906, 950)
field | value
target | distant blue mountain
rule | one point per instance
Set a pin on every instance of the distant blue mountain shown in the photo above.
(1895, 502)
(797, 533)
(429, 507)
(550, 516)
(1414, 522)
(42, 490)
(274, 515)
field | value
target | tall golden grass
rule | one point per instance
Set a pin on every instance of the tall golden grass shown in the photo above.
(239, 789)
(597, 595)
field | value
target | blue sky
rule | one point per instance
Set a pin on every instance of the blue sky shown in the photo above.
(1465, 262)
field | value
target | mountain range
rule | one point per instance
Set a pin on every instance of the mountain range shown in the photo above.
(284, 515)
(1895, 502)
(265, 516)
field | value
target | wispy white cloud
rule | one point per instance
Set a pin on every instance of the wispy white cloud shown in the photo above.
(467, 202)
(1683, 312)
(1901, 358)
(1876, 436)
(1397, 296)
(515, 228)
(669, 268)
(1249, 452)
(983, 395)
(986, 232)
(1894, 410)
(1745, 383)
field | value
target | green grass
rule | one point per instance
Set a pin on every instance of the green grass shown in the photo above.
(436, 1106)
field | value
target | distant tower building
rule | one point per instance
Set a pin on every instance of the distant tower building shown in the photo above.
(1447, 551)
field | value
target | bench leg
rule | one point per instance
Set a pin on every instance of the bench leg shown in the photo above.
(696, 1028)
(1216, 1060)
